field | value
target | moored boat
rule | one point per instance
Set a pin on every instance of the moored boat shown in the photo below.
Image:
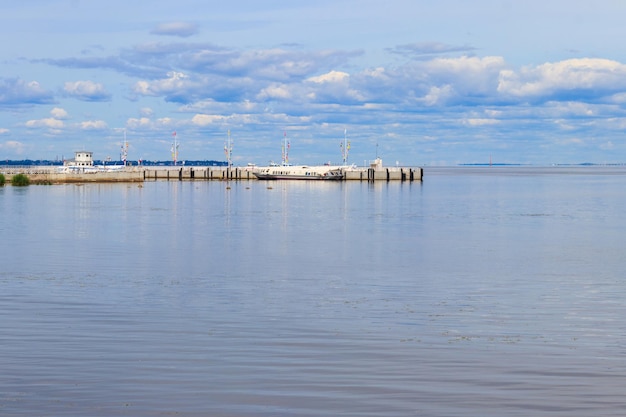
(286, 171)
(299, 172)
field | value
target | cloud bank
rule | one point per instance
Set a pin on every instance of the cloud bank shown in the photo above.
(420, 101)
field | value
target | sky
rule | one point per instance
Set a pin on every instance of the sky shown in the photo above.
(414, 82)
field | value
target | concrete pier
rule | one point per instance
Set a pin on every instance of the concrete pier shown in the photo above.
(196, 173)
(51, 175)
(384, 174)
(245, 173)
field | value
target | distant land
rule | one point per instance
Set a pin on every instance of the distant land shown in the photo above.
(483, 164)
(44, 162)
(486, 164)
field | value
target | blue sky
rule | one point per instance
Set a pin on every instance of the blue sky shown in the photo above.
(416, 82)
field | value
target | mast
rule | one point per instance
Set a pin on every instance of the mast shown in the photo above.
(124, 153)
(175, 149)
(228, 150)
(286, 146)
(345, 147)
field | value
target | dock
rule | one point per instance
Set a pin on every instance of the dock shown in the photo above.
(245, 173)
(52, 175)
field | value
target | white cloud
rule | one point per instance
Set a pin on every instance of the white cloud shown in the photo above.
(376, 72)
(335, 87)
(166, 121)
(175, 81)
(94, 125)
(58, 113)
(467, 76)
(86, 90)
(206, 119)
(145, 123)
(17, 92)
(143, 88)
(247, 105)
(50, 123)
(471, 65)
(330, 77)
(494, 113)
(591, 74)
(55, 122)
(4, 131)
(275, 92)
(572, 108)
(134, 123)
(146, 111)
(570, 141)
(438, 95)
(480, 122)
(617, 98)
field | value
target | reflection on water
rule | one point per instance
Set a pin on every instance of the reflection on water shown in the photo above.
(468, 294)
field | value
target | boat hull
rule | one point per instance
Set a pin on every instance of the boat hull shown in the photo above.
(298, 177)
(317, 173)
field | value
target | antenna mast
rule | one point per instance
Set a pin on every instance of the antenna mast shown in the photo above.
(228, 150)
(345, 147)
(175, 149)
(286, 147)
(124, 153)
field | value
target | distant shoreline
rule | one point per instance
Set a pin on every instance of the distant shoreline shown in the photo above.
(585, 164)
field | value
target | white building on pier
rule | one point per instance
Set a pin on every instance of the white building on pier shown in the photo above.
(82, 159)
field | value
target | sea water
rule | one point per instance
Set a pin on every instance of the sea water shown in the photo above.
(477, 292)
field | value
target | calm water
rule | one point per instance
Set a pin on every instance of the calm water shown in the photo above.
(479, 292)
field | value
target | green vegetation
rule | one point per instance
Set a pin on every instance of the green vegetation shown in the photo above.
(2, 180)
(20, 180)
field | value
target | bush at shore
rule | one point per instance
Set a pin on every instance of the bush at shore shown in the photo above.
(2, 180)
(20, 180)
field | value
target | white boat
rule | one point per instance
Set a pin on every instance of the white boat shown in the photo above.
(299, 172)
(286, 171)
